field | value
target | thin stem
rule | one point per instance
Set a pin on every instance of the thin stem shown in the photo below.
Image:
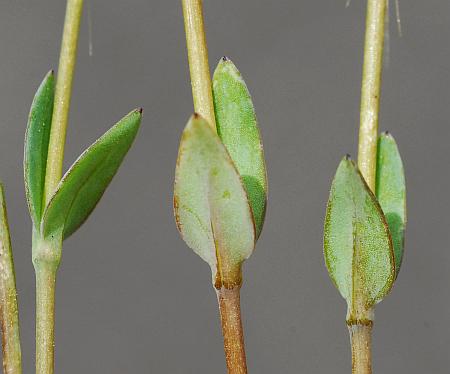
(9, 313)
(46, 256)
(45, 319)
(233, 337)
(198, 60)
(371, 88)
(361, 332)
(361, 341)
(63, 92)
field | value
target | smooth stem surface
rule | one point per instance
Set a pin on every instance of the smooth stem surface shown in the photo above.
(361, 334)
(63, 92)
(233, 336)
(9, 314)
(198, 60)
(371, 88)
(361, 341)
(45, 319)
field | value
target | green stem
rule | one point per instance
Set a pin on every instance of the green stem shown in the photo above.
(47, 254)
(63, 92)
(371, 88)
(9, 313)
(198, 60)
(45, 319)
(46, 259)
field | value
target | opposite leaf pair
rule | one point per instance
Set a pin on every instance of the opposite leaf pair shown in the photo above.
(86, 180)
(364, 232)
(220, 188)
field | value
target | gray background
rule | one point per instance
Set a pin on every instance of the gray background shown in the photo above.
(131, 297)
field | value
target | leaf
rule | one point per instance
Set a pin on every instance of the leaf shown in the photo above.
(210, 203)
(357, 244)
(9, 314)
(238, 129)
(85, 182)
(7, 278)
(36, 146)
(391, 192)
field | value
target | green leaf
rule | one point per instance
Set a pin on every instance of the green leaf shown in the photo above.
(238, 129)
(85, 182)
(391, 192)
(36, 146)
(357, 244)
(210, 203)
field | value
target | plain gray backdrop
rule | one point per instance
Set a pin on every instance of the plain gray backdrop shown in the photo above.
(131, 297)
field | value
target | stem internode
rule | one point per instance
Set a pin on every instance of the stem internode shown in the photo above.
(45, 319)
(371, 89)
(198, 60)
(361, 342)
(233, 336)
(63, 91)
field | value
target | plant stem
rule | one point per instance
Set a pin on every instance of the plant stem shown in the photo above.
(63, 92)
(45, 318)
(228, 298)
(371, 88)
(361, 341)
(47, 255)
(198, 60)
(233, 337)
(361, 333)
(9, 313)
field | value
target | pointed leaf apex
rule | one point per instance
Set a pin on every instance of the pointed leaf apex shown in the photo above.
(357, 243)
(84, 183)
(238, 129)
(386, 134)
(36, 145)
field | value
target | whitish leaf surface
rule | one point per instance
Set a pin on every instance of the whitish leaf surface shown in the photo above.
(357, 244)
(391, 192)
(85, 182)
(238, 129)
(211, 207)
(36, 146)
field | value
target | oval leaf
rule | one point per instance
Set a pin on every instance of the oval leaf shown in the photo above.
(238, 129)
(36, 146)
(357, 244)
(210, 203)
(391, 192)
(85, 182)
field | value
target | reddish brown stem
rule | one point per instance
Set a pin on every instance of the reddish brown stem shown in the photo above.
(233, 337)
